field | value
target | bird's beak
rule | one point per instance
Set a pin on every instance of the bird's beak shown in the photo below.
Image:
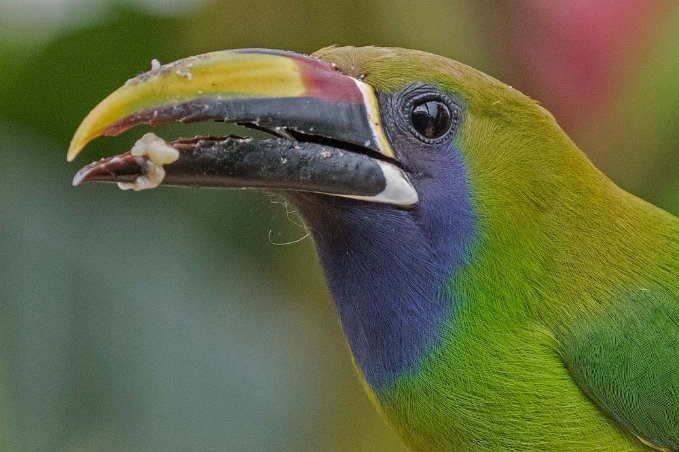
(327, 127)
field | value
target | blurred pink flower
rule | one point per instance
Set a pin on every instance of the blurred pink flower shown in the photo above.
(570, 54)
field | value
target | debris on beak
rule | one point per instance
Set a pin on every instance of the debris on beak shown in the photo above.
(149, 154)
(155, 148)
(159, 153)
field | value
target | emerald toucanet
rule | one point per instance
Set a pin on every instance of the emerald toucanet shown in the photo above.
(498, 292)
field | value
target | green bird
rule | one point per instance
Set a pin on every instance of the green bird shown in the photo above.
(497, 291)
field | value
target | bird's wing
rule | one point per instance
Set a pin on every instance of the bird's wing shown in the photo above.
(627, 361)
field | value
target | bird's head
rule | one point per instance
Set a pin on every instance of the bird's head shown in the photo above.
(392, 127)
(397, 159)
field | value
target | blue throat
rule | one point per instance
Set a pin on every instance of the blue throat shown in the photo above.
(386, 269)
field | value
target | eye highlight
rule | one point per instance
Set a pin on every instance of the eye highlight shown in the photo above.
(431, 118)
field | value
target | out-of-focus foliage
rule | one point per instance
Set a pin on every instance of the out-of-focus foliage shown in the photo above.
(170, 320)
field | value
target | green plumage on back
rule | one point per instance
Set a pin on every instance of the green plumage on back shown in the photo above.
(626, 360)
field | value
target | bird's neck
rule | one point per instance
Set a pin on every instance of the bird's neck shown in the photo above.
(387, 270)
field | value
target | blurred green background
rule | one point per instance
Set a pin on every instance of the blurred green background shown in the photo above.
(174, 319)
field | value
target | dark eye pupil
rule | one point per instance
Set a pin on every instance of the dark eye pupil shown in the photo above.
(431, 118)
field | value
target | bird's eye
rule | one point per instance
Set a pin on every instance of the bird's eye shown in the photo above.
(431, 118)
(428, 114)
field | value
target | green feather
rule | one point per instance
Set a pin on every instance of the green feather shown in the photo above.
(625, 359)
